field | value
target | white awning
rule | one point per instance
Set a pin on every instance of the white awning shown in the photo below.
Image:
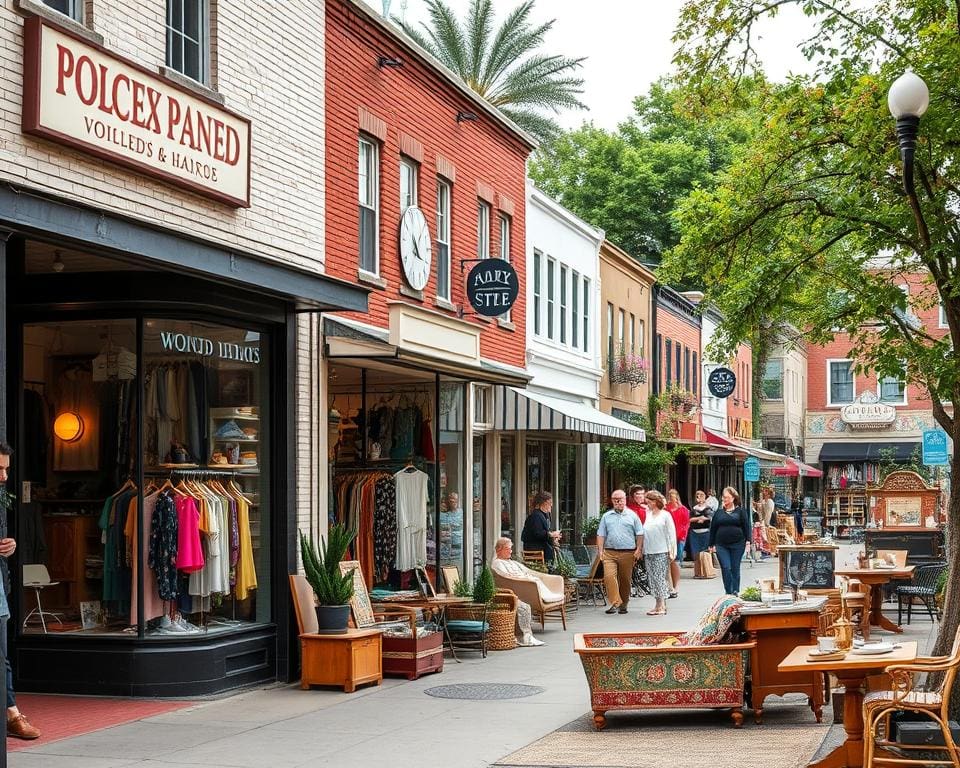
(520, 410)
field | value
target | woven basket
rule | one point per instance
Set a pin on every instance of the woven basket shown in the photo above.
(502, 616)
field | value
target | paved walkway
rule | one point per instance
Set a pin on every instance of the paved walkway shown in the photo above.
(395, 725)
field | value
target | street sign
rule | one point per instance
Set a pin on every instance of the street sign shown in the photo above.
(751, 470)
(935, 447)
(721, 382)
(492, 287)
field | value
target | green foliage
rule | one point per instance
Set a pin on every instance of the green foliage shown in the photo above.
(942, 583)
(629, 181)
(485, 588)
(589, 526)
(750, 594)
(644, 463)
(536, 565)
(563, 565)
(505, 66)
(322, 568)
(914, 464)
(463, 588)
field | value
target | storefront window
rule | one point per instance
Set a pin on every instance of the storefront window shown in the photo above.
(479, 484)
(193, 528)
(568, 504)
(539, 470)
(507, 516)
(451, 470)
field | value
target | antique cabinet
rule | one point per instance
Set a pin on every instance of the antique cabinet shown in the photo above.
(74, 558)
(346, 660)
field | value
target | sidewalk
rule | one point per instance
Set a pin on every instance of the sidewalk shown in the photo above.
(397, 725)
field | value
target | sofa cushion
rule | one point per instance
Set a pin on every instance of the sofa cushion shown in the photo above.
(465, 625)
(715, 623)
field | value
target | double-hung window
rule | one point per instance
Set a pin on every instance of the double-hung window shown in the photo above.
(575, 309)
(409, 194)
(444, 198)
(610, 349)
(187, 37)
(483, 230)
(369, 178)
(505, 251)
(773, 380)
(893, 390)
(586, 314)
(551, 296)
(71, 8)
(841, 383)
(633, 334)
(621, 340)
(537, 290)
(563, 303)
(668, 357)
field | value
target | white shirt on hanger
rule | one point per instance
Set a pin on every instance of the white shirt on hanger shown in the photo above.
(411, 518)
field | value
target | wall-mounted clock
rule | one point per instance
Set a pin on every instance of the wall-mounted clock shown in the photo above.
(415, 247)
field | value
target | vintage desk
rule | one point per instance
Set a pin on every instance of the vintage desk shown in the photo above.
(778, 630)
(851, 672)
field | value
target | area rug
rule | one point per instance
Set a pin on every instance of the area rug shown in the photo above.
(788, 738)
(62, 717)
(484, 691)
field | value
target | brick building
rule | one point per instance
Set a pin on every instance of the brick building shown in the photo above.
(162, 273)
(410, 149)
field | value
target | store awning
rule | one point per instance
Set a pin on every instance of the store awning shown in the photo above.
(771, 457)
(796, 468)
(517, 410)
(867, 451)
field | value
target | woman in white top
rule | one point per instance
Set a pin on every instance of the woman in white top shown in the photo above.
(659, 548)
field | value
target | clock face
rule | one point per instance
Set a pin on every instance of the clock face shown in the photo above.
(415, 247)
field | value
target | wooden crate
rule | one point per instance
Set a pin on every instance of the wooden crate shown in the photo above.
(411, 657)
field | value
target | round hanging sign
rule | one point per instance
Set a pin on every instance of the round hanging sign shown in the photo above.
(492, 287)
(721, 382)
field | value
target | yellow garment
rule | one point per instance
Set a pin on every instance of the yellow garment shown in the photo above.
(246, 570)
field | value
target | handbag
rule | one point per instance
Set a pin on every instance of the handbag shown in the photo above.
(705, 567)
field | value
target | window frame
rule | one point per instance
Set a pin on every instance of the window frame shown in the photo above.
(903, 399)
(575, 309)
(609, 334)
(444, 239)
(586, 314)
(562, 323)
(483, 229)
(941, 316)
(374, 176)
(409, 168)
(537, 291)
(766, 378)
(202, 42)
(75, 11)
(668, 359)
(853, 375)
(551, 297)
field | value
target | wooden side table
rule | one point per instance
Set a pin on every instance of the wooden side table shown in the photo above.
(347, 660)
(777, 632)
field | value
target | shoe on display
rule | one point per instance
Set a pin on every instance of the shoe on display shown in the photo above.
(19, 727)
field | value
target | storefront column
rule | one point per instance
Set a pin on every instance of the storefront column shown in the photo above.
(592, 500)
(519, 488)
(4, 238)
(466, 498)
(491, 509)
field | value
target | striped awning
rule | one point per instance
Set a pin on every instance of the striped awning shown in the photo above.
(521, 410)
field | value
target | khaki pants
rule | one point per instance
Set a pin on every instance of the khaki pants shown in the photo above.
(617, 575)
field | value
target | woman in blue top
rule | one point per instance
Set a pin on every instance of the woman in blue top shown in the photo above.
(730, 531)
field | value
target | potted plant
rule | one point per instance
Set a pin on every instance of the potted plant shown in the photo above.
(589, 528)
(484, 588)
(564, 565)
(322, 570)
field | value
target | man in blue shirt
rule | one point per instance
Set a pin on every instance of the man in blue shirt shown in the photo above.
(620, 545)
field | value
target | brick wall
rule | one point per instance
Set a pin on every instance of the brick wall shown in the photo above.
(739, 404)
(415, 107)
(264, 73)
(678, 330)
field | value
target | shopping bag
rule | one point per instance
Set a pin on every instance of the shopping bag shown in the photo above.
(705, 566)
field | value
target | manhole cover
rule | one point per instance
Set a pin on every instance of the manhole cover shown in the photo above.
(484, 691)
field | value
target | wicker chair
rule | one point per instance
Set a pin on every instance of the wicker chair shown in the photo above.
(527, 591)
(935, 704)
(924, 587)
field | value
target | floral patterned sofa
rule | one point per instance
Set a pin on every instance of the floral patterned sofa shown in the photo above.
(667, 670)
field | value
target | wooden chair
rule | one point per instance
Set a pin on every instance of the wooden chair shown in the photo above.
(528, 592)
(828, 616)
(935, 704)
(591, 585)
(534, 556)
(451, 577)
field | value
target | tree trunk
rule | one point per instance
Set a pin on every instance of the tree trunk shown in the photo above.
(951, 605)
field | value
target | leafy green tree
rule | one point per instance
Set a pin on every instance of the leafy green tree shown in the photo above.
(504, 66)
(629, 181)
(644, 463)
(811, 224)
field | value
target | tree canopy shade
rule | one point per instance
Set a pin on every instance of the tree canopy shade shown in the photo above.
(811, 225)
(629, 181)
(504, 66)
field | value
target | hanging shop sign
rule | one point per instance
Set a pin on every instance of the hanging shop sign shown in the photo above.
(492, 287)
(751, 470)
(79, 94)
(867, 412)
(935, 447)
(721, 382)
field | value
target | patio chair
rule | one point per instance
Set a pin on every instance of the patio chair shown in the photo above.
(534, 556)
(468, 627)
(934, 704)
(591, 585)
(924, 588)
(527, 591)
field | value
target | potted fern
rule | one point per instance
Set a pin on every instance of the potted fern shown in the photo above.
(322, 570)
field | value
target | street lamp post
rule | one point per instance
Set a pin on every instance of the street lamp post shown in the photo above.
(908, 99)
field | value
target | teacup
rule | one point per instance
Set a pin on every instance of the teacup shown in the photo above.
(826, 644)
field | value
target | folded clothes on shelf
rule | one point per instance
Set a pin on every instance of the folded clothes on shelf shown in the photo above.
(230, 429)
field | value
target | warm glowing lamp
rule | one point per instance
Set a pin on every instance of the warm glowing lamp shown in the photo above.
(68, 426)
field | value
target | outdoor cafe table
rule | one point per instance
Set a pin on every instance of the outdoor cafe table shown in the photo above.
(851, 672)
(875, 578)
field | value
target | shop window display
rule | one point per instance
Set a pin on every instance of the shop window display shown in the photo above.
(171, 492)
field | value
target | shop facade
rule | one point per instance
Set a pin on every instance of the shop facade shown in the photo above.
(425, 183)
(163, 299)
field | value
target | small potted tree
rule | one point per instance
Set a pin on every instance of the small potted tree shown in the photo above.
(589, 528)
(322, 570)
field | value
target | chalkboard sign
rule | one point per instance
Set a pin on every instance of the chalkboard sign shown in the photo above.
(808, 568)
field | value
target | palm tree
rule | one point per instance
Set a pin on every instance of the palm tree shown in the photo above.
(504, 67)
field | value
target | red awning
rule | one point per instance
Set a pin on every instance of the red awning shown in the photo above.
(796, 468)
(725, 442)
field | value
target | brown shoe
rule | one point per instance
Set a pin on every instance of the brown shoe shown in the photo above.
(20, 728)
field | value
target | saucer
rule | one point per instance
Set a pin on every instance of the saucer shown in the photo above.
(874, 649)
(819, 655)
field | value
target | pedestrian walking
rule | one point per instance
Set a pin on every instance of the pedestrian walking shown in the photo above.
(637, 503)
(660, 549)
(619, 545)
(681, 522)
(698, 537)
(729, 534)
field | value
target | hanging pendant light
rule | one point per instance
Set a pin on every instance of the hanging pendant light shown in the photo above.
(68, 426)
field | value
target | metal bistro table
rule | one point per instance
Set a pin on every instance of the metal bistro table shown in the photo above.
(436, 606)
(851, 672)
(875, 578)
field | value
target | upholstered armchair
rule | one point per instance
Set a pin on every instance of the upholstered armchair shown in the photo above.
(527, 591)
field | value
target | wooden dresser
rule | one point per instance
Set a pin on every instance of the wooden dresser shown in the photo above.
(70, 540)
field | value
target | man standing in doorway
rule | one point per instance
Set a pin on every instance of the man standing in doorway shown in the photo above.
(17, 724)
(620, 544)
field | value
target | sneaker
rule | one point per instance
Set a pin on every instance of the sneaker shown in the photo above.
(19, 727)
(621, 609)
(612, 609)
